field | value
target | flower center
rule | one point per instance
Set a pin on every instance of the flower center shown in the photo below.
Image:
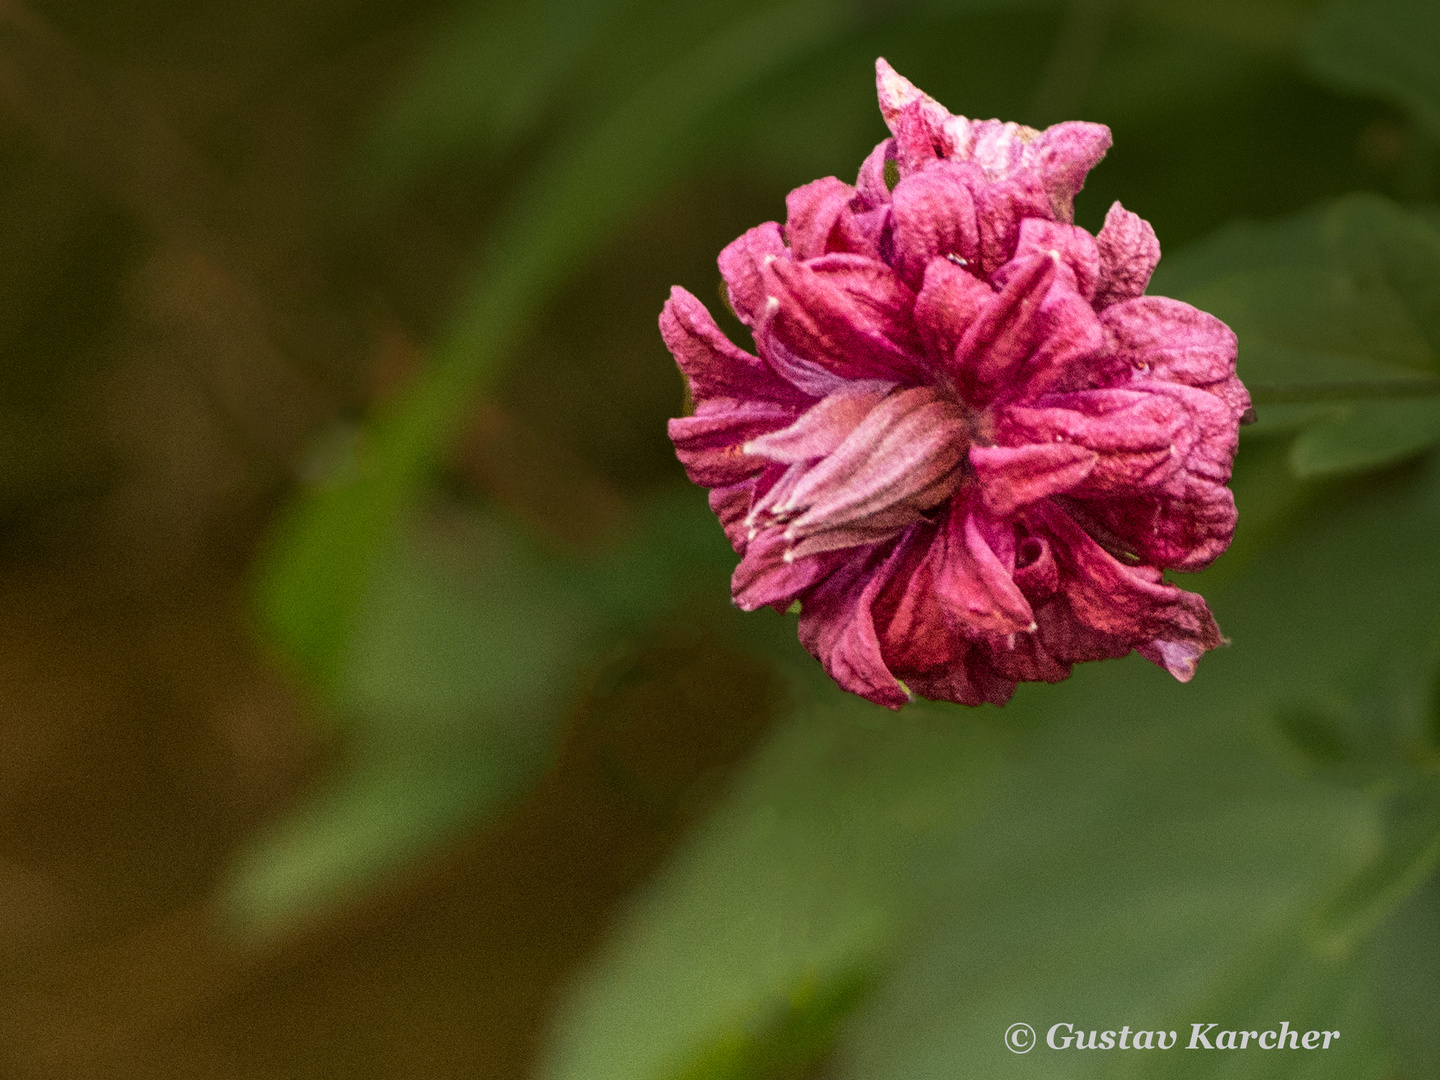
(862, 467)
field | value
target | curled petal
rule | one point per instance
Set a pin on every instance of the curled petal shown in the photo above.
(1064, 154)
(1074, 247)
(949, 302)
(714, 367)
(1012, 477)
(1035, 572)
(740, 265)
(934, 215)
(837, 626)
(812, 216)
(710, 444)
(1131, 603)
(1170, 341)
(871, 187)
(1129, 253)
(848, 314)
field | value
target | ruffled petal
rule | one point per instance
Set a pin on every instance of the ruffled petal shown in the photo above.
(934, 215)
(740, 265)
(1129, 253)
(850, 315)
(812, 216)
(1140, 437)
(1130, 603)
(837, 626)
(714, 366)
(710, 444)
(1169, 341)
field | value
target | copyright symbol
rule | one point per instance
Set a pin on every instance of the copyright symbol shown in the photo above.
(1020, 1038)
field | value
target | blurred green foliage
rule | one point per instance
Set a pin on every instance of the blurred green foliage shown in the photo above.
(884, 894)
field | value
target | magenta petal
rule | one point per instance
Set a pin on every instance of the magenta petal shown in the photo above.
(710, 443)
(1184, 525)
(1008, 329)
(1012, 477)
(960, 589)
(731, 502)
(1131, 603)
(949, 302)
(1140, 437)
(934, 216)
(812, 215)
(740, 265)
(1064, 154)
(1074, 246)
(837, 625)
(1129, 253)
(714, 366)
(1036, 335)
(870, 184)
(848, 314)
(1167, 340)
(766, 578)
(1001, 209)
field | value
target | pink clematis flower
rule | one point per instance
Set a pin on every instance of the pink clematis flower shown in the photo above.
(969, 445)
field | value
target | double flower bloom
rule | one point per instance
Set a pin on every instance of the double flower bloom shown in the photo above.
(969, 445)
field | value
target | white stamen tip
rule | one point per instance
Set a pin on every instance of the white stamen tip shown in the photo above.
(1032, 627)
(772, 304)
(789, 556)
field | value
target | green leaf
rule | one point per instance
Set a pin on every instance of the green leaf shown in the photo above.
(326, 546)
(466, 649)
(1120, 849)
(1382, 47)
(1338, 315)
(1408, 981)
(800, 880)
